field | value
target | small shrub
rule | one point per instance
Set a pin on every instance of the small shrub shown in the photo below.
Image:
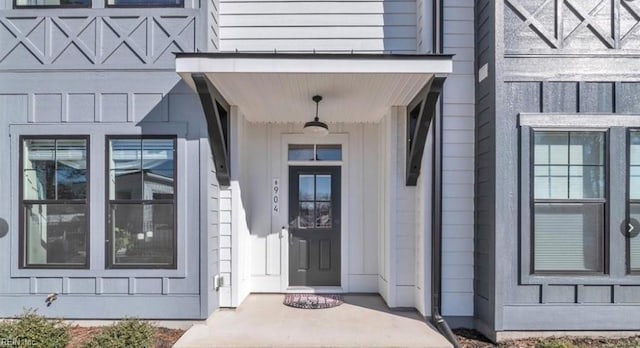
(33, 330)
(554, 343)
(124, 334)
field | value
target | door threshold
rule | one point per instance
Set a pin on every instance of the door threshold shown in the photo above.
(315, 289)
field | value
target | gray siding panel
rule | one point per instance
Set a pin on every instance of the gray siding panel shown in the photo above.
(560, 97)
(628, 98)
(595, 294)
(127, 38)
(101, 71)
(569, 305)
(597, 97)
(484, 239)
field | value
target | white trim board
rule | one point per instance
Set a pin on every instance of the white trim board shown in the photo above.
(313, 65)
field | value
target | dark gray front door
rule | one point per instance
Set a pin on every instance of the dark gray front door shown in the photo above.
(314, 226)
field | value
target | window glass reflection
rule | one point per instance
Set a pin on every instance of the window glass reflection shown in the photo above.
(323, 187)
(300, 152)
(328, 152)
(323, 214)
(142, 234)
(306, 188)
(55, 234)
(142, 191)
(569, 165)
(306, 215)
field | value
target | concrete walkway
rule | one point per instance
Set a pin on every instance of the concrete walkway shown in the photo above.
(362, 321)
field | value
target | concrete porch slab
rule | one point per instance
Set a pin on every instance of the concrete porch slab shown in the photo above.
(362, 321)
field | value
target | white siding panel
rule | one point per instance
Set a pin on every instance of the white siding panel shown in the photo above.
(365, 26)
(458, 303)
(458, 285)
(459, 258)
(458, 161)
(318, 20)
(458, 27)
(299, 45)
(317, 7)
(403, 32)
(371, 171)
(356, 203)
(458, 14)
(456, 40)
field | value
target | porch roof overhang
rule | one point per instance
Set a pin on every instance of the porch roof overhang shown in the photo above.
(277, 87)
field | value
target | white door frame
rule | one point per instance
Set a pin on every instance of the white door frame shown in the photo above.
(334, 139)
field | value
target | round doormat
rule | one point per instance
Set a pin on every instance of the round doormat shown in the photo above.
(313, 301)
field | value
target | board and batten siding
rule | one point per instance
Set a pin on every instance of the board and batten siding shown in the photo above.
(582, 71)
(108, 71)
(458, 101)
(572, 304)
(83, 103)
(308, 25)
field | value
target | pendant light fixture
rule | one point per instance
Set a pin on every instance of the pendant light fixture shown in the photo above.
(316, 128)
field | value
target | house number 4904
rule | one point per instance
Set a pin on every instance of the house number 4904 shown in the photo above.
(275, 197)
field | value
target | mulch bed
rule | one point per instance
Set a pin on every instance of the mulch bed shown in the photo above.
(165, 337)
(474, 339)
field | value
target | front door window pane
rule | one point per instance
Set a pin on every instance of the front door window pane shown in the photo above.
(314, 198)
(323, 214)
(306, 188)
(323, 187)
(306, 215)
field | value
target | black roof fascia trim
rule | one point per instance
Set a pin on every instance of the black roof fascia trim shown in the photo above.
(427, 99)
(354, 56)
(217, 137)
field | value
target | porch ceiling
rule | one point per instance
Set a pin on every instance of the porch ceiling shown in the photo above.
(279, 87)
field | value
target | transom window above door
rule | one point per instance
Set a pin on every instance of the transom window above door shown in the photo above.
(311, 152)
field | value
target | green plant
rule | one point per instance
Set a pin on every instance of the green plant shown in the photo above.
(124, 334)
(33, 330)
(554, 343)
